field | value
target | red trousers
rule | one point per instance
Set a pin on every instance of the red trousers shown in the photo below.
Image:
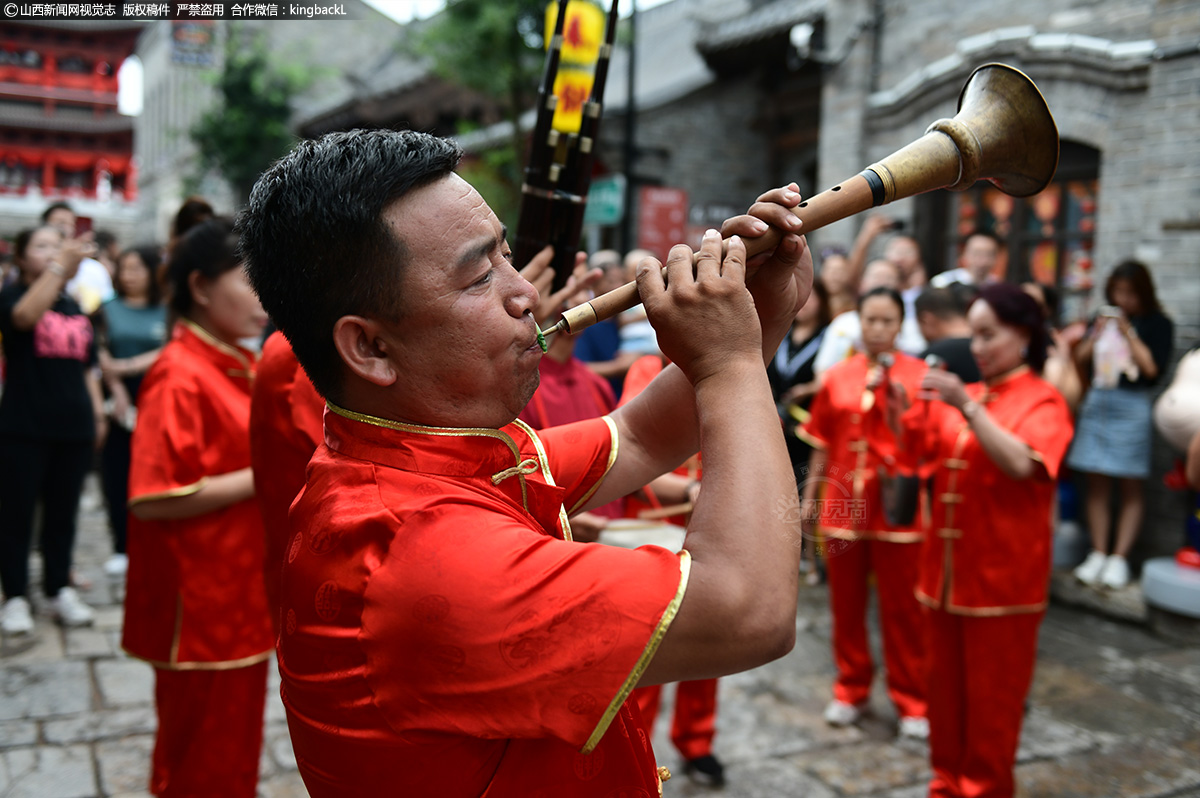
(695, 721)
(210, 725)
(901, 618)
(980, 672)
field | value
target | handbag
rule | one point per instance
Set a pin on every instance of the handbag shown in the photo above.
(900, 493)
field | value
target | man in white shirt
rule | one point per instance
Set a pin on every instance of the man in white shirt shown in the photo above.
(977, 262)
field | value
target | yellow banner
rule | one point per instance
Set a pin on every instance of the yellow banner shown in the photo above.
(583, 31)
(572, 87)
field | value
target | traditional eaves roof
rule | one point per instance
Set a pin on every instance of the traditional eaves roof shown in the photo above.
(766, 21)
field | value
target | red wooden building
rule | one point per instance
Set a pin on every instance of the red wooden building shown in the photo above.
(59, 127)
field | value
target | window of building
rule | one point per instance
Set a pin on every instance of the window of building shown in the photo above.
(1049, 237)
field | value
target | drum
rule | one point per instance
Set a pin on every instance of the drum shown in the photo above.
(629, 533)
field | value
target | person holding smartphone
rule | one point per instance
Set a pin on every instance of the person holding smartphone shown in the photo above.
(1112, 442)
(92, 284)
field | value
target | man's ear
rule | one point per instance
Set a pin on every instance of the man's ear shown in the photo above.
(361, 346)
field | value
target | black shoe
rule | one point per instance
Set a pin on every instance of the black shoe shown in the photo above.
(706, 770)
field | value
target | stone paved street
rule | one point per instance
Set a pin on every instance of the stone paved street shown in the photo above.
(1115, 712)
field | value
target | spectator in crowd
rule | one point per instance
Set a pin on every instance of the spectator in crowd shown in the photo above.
(839, 281)
(108, 250)
(92, 284)
(856, 453)
(192, 212)
(794, 384)
(599, 345)
(133, 329)
(942, 314)
(1060, 370)
(977, 262)
(844, 335)
(1113, 439)
(904, 253)
(9, 273)
(792, 375)
(195, 605)
(637, 334)
(985, 565)
(51, 415)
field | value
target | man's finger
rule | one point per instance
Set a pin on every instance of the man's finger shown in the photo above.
(708, 259)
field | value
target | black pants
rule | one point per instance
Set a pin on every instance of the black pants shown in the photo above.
(52, 472)
(114, 471)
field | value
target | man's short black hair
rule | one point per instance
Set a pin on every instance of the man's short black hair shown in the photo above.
(56, 206)
(943, 303)
(980, 232)
(315, 242)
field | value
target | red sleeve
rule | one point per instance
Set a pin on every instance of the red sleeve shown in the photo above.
(167, 451)
(1047, 430)
(643, 370)
(510, 633)
(924, 426)
(308, 409)
(580, 455)
(818, 430)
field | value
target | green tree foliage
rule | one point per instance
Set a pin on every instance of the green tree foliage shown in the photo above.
(247, 129)
(494, 47)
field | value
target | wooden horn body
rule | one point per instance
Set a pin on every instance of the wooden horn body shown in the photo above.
(1003, 133)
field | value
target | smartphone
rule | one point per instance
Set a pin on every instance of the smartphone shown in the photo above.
(82, 225)
(1112, 311)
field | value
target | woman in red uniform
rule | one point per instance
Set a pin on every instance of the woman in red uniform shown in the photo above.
(195, 607)
(985, 566)
(854, 444)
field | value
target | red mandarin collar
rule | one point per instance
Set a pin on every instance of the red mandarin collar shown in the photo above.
(234, 360)
(990, 391)
(444, 451)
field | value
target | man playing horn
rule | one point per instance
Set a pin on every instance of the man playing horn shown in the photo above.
(442, 634)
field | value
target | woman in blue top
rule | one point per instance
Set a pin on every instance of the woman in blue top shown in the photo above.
(133, 329)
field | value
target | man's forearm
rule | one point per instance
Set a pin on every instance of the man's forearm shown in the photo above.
(743, 538)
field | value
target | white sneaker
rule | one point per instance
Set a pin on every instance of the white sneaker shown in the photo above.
(914, 728)
(1116, 573)
(16, 619)
(1089, 571)
(70, 610)
(116, 566)
(839, 713)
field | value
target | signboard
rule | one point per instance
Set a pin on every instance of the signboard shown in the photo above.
(605, 201)
(662, 219)
(194, 43)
